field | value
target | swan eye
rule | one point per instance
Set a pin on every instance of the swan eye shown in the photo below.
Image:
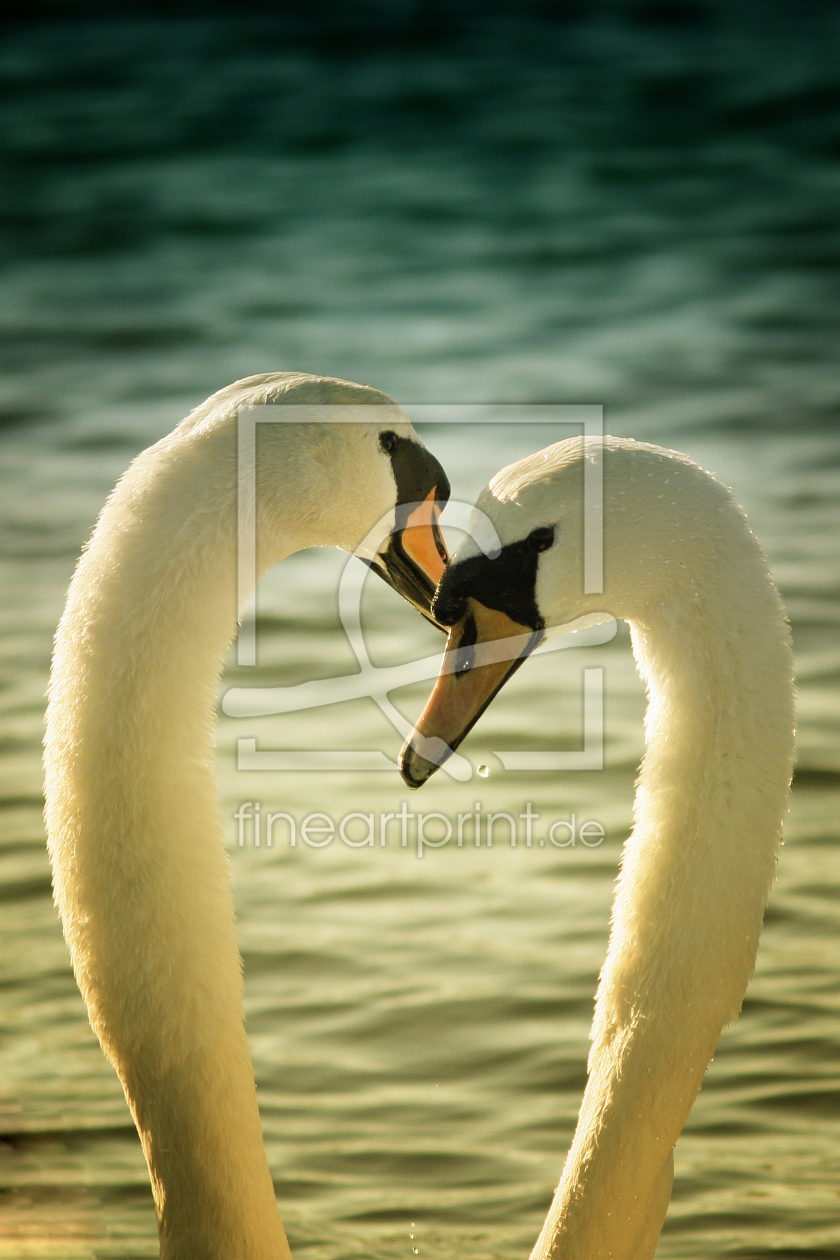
(541, 539)
(388, 441)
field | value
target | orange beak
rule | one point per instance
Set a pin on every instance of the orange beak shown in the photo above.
(415, 556)
(422, 540)
(483, 650)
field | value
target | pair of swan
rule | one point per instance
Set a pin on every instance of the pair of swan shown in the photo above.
(141, 879)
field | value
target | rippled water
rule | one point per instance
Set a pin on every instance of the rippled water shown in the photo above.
(636, 207)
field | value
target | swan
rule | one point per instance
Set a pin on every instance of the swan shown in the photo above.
(712, 645)
(140, 873)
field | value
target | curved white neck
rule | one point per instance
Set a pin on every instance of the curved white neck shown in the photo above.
(694, 880)
(141, 876)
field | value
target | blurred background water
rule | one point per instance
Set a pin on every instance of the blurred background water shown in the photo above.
(632, 204)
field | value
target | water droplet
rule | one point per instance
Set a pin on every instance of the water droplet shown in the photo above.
(483, 771)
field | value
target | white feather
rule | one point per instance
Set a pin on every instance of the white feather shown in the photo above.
(141, 877)
(713, 646)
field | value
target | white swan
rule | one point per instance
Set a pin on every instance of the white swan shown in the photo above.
(712, 644)
(141, 878)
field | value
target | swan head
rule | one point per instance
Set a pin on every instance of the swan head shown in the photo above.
(498, 600)
(336, 464)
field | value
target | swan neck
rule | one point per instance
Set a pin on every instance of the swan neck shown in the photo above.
(141, 876)
(695, 875)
